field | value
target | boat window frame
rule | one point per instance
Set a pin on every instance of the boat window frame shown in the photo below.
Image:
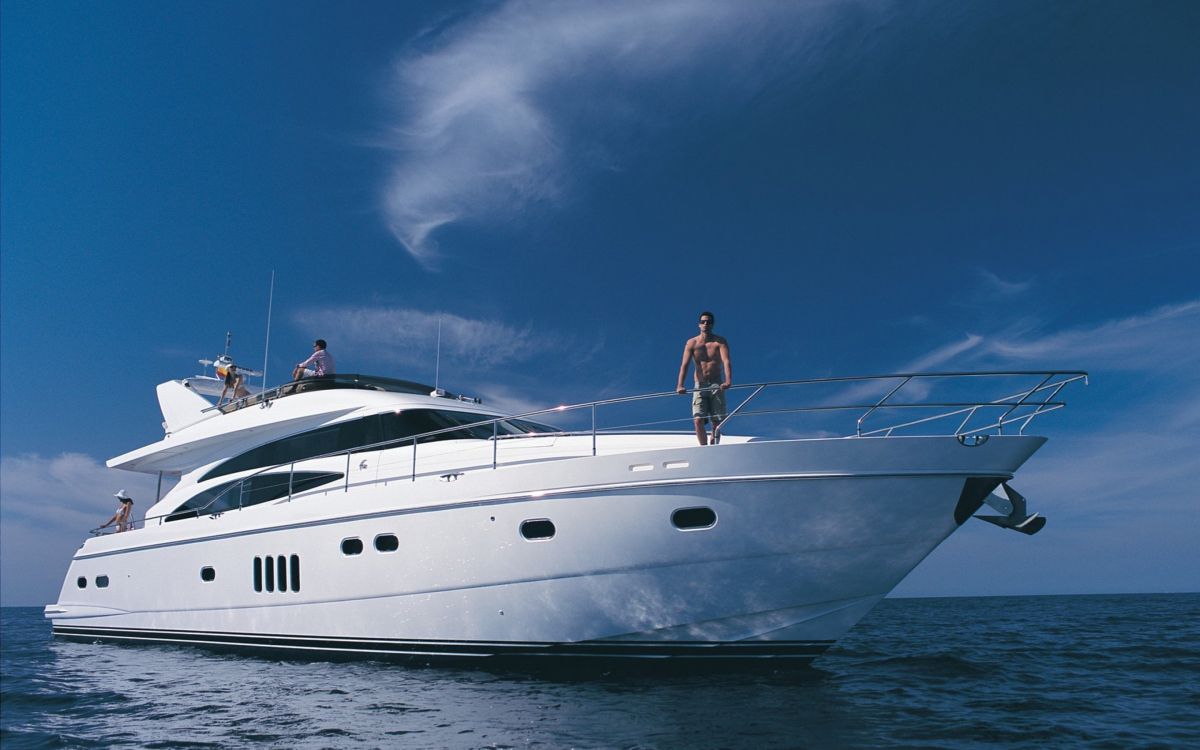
(219, 497)
(373, 432)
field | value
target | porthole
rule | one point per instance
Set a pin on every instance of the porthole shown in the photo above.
(687, 519)
(101, 582)
(81, 582)
(282, 575)
(295, 576)
(352, 546)
(387, 543)
(258, 577)
(537, 529)
(208, 574)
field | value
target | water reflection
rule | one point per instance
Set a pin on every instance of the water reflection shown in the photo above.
(157, 695)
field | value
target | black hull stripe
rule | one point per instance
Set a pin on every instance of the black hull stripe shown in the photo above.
(753, 650)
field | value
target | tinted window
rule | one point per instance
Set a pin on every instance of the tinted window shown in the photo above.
(208, 574)
(541, 528)
(387, 543)
(377, 428)
(260, 489)
(81, 582)
(295, 571)
(694, 518)
(102, 582)
(352, 546)
(258, 574)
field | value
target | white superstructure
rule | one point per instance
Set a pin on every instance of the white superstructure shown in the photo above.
(366, 515)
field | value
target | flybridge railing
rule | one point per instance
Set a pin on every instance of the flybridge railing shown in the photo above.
(1017, 409)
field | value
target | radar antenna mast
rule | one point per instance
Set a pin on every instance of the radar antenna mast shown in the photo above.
(267, 343)
(437, 366)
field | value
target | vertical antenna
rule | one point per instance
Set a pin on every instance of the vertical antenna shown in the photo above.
(267, 345)
(228, 338)
(437, 367)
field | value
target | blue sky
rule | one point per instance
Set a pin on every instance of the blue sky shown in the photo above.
(853, 187)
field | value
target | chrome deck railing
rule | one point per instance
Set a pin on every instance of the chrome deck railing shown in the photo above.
(1018, 408)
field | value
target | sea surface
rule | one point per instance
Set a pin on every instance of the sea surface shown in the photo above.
(1011, 672)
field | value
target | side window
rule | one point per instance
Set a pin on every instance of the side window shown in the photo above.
(685, 519)
(537, 529)
(254, 491)
(370, 430)
(335, 437)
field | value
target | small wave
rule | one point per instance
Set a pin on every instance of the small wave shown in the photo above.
(937, 665)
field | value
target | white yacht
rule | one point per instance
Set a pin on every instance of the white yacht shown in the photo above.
(364, 515)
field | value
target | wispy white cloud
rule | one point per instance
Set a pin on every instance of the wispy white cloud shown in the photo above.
(509, 400)
(1157, 343)
(1158, 339)
(47, 507)
(870, 391)
(1003, 287)
(1162, 337)
(1121, 494)
(488, 118)
(409, 338)
(942, 355)
(70, 489)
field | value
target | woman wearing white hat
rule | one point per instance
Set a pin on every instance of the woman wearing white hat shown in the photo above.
(122, 518)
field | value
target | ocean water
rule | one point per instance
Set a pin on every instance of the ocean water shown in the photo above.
(1011, 672)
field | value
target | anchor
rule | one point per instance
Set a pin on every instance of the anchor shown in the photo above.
(1016, 517)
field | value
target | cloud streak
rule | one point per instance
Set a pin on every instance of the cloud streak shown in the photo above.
(490, 119)
(72, 489)
(1162, 337)
(409, 338)
(48, 505)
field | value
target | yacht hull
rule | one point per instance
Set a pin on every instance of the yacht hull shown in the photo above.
(805, 537)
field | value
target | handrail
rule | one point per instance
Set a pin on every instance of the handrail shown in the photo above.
(878, 404)
(1014, 413)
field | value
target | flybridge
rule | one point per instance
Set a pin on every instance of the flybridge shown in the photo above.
(342, 381)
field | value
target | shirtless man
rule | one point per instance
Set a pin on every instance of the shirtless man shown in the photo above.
(710, 352)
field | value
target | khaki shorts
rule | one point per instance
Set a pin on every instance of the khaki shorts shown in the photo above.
(708, 402)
